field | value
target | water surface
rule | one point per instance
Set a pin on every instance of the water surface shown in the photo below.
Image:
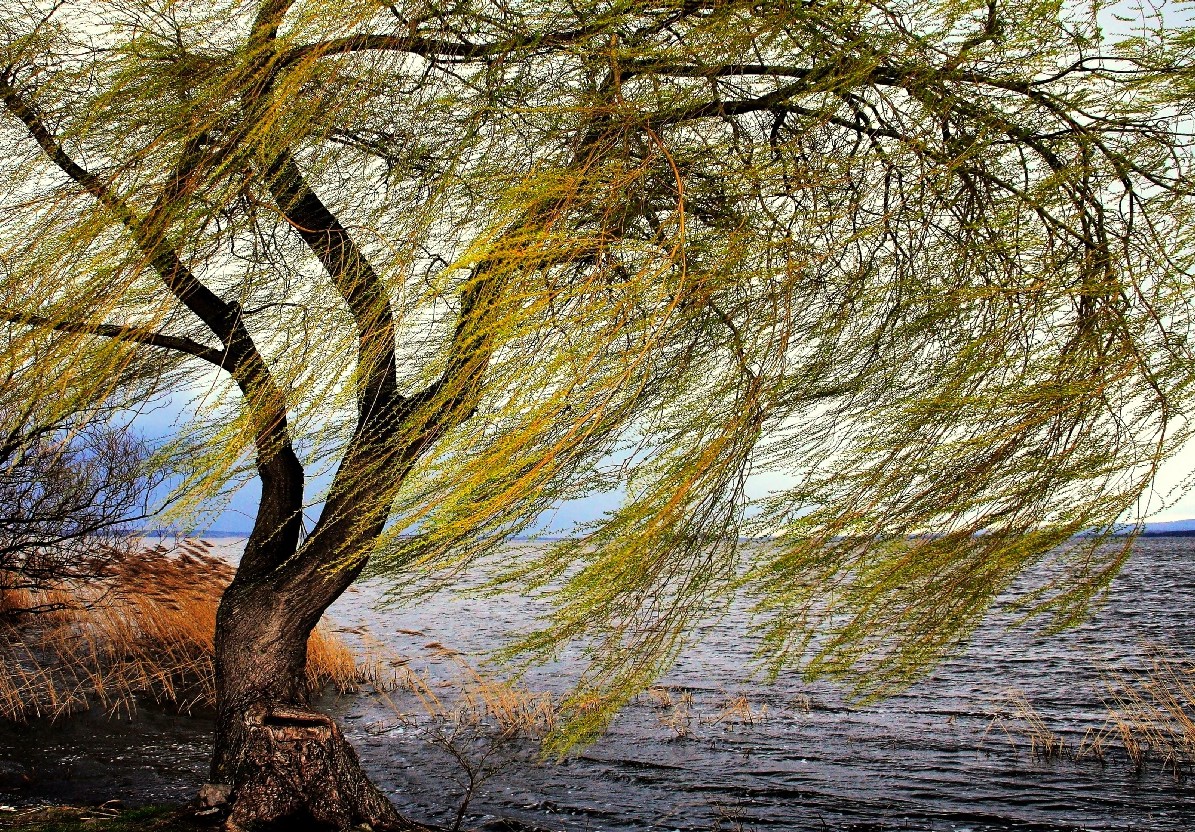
(948, 754)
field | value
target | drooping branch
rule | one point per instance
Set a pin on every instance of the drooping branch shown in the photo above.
(279, 517)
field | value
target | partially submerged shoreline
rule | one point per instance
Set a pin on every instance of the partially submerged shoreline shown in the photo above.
(675, 758)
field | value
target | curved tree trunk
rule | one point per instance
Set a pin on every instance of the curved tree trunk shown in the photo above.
(278, 763)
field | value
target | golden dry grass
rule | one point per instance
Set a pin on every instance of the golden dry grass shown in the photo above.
(739, 711)
(467, 697)
(680, 715)
(1149, 716)
(146, 629)
(1020, 721)
(1150, 712)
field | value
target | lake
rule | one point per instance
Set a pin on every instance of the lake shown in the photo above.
(709, 749)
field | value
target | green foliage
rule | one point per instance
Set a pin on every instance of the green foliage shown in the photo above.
(925, 268)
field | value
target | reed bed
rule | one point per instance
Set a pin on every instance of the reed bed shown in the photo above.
(1149, 716)
(144, 628)
(1150, 713)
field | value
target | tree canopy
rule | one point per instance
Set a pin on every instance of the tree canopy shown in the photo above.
(924, 268)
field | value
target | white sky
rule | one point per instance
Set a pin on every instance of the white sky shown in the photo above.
(1171, 499)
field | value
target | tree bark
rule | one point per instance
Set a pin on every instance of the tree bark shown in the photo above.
(283, 764)
(296, 772)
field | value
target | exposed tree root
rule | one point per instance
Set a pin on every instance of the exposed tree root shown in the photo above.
(294, 770)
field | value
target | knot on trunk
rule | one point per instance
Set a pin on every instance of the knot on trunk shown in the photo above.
(212, 798)
(293, 770)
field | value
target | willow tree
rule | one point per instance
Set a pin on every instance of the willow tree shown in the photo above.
(927, 265)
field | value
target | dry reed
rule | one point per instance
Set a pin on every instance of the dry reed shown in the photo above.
(144, 629)
(738, 711)
(1150, 712)
(1149, 715)
(1019, 719)
(680, 715)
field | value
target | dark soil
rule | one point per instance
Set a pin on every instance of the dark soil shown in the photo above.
(105, 818)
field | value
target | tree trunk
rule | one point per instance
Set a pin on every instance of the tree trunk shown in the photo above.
(278, 764)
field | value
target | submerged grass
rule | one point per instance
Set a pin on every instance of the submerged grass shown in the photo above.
(145, 628)
(1149, 716)
(1150, 713)
(467, 698)
(1020, 721)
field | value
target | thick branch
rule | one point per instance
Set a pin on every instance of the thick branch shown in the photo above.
(433, 48)
(371, 471)
(279, 516)
(269, 18)
(354, 278)
(372, 467)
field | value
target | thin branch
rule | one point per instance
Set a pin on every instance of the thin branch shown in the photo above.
(151, 338)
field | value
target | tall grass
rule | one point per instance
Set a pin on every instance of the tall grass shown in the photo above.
(1149, 717)
(145, 629)
(1150, 713)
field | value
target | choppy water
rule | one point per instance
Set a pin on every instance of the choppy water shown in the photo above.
(938, 757)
